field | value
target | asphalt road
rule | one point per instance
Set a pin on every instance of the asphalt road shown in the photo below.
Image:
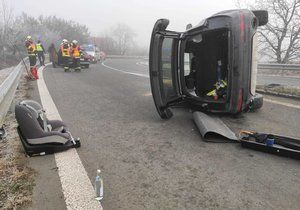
(148, 163)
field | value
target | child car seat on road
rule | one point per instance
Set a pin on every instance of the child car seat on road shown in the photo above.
(39, 135)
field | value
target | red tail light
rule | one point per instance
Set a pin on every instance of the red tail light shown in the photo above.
(240, 101)
(242, 27)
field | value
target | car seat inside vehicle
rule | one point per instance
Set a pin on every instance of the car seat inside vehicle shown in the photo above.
(206, 65)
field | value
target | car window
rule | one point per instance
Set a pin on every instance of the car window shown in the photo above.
(166, 66)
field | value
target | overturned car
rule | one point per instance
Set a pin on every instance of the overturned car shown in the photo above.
(210, 67)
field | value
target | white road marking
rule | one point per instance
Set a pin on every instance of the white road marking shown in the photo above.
(148, 94)
(141, 63)
(76, 186)
(282, 103)
(125, 72)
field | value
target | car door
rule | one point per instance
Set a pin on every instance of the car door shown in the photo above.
(163, 68)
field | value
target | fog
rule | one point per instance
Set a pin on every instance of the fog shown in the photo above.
(140, 15)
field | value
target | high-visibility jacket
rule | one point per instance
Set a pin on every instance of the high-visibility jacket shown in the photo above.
(75, 51)
(31, 49)
(65, 50)
(39, 47)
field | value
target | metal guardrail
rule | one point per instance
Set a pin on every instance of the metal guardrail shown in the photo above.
(7, 92)
(277, 66)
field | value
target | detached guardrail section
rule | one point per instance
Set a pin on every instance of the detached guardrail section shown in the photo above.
(7, 92)
(277, 66)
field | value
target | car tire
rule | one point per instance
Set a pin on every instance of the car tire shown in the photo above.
(87, 66)
(262, 17)
(256, 102)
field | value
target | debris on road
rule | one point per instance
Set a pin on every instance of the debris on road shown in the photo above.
(209, 125)
(99, 186)
(212, 126)
(270, 143)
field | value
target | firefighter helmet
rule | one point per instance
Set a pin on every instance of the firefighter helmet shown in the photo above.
(28, 38)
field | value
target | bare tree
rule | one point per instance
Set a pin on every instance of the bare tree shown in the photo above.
(279, 39)
(107, 44)
(124, 36)
(6, 20)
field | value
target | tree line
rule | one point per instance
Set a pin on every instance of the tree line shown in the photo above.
(119, 40)
(279, 40)
(52, 29)
(48, 29)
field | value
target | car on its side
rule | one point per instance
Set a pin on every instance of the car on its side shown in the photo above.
(210, 67)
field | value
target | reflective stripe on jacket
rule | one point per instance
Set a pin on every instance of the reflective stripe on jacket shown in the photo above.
(39, 47)
(31, 49)
(65, 50)
(75, 52)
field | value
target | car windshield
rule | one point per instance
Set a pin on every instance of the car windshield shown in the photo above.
(88, 47)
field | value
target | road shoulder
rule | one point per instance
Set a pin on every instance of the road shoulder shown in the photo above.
(47, 192)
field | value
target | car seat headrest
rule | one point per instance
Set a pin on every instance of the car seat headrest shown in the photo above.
(33, 106)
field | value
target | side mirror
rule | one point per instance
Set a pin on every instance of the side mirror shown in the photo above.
(262, 16)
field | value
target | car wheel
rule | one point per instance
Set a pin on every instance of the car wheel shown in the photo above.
(256, 102)
(87, 66)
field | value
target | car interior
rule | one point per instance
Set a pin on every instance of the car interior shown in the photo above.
(206, 65)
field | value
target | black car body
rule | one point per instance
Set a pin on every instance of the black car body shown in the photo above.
(185, 67)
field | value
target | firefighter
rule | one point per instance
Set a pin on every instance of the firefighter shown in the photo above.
(75, 51)
(40, 52)
(66, 54)
(31, 50)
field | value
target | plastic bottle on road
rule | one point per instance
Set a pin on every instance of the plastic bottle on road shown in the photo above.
(99, 186)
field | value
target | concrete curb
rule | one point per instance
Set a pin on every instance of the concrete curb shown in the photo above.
(273, 93)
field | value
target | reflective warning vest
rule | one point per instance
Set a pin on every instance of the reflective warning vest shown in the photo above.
(75, 51)
(31, 49)
(39, 47)
(65, 50)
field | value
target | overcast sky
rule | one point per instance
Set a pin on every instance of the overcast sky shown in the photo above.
(100, 15)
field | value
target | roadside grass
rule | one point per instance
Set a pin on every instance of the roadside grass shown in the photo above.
(284, 90)
(16, 177)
